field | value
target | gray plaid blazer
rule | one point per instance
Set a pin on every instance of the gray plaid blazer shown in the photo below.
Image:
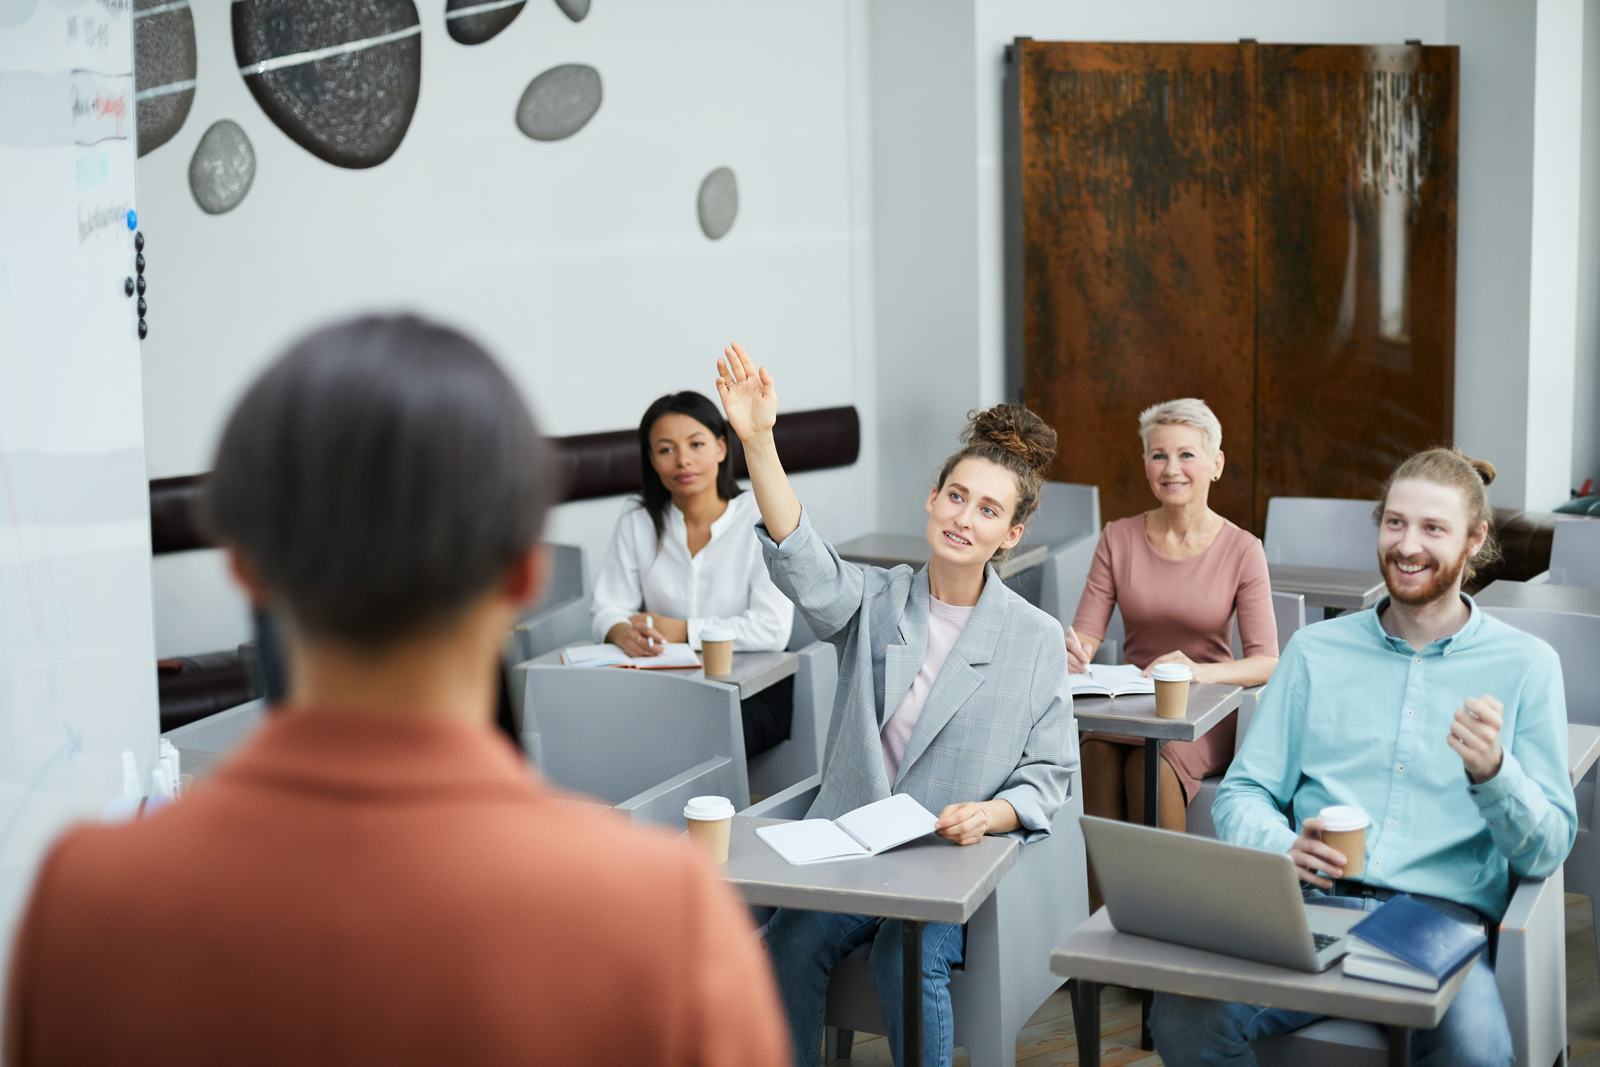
(997, 722)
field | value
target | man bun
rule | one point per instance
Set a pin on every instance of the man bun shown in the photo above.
(1014, 429)
(1485, 470)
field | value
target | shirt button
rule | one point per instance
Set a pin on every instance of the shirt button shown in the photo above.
(1378, 864)
(1410, 712)
(1390, 824)
(1400, 767)
(1416, 659)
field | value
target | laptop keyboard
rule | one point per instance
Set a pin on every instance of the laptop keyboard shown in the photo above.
(1322, 941)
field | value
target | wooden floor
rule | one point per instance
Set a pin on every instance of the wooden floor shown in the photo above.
(1047, 1040)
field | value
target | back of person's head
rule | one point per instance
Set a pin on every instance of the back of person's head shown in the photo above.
(1016, 439)
(378, 478)
(700, 408)
(1470, 478)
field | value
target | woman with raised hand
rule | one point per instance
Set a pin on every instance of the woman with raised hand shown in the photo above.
(952, 688)
(683, 559)
(1179, 573)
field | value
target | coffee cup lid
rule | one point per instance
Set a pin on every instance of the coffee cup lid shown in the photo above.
(708, 809)
(712, 633)
(1172, 672)
(1342, 817)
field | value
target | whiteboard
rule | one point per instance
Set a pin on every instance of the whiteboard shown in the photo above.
(77, 651)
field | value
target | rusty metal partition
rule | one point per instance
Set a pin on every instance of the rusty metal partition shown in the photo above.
(1270, 228)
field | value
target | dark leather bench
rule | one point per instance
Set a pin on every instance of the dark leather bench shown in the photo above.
(590, 466)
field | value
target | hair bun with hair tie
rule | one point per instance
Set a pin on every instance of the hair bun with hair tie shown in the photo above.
(1484, 468)
(1014, 429)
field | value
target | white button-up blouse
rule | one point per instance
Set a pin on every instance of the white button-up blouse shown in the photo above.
(725, 584)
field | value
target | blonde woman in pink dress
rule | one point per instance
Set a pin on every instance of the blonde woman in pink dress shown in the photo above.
(1179, 572)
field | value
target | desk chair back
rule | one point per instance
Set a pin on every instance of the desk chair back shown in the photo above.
(644, 741)
(1068, 525)
(816, 681)
(1309, 531)
(1575, 552)
(561, 617)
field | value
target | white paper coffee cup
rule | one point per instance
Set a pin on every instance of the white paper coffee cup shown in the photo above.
(1172, 689)
(710, 822)
(716, 651)
(1344, 827)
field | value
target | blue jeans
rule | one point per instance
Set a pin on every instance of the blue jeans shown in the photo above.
(1190, 1032)
(805, 947)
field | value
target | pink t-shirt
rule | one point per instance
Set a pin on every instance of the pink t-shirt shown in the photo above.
(945, 622)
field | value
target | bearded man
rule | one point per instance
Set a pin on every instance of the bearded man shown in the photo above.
(1447, 726)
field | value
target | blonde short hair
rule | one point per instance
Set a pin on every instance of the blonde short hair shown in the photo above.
(1186, 411)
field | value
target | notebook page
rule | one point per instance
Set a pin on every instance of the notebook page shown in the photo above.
(883, 824)
(810, 841)
(1121, 679)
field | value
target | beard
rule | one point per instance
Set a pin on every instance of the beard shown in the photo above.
(1444, 582)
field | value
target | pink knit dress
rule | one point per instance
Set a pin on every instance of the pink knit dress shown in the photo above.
(1183, 605)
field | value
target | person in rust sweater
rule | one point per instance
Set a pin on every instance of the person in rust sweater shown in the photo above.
(376, 877)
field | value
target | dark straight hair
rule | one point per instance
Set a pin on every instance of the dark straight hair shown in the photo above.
(380, 476)
(699, 408)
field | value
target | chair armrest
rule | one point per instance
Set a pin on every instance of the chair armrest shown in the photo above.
(790, 803)
(1530, 969)
(663, 803)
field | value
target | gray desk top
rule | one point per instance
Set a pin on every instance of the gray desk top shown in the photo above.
(1332, 587)
(1136, 715)
(752, 671)
(929, 880)
(891, 550)
(1574, 599)
(1583, 749)
(1098, 953)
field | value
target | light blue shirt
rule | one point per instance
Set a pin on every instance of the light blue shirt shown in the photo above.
(1356, 716)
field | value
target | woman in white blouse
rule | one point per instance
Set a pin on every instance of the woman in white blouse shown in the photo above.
(685, 557)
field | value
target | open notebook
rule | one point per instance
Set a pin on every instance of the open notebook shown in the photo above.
(1111, 681)
(672, 658)
(867, 831)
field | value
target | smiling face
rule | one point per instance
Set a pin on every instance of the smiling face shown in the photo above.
(970, 515)
(1178, 467)
(1424, 542)
(685, 455)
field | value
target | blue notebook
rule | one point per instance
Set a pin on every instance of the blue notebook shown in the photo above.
(1405, 942)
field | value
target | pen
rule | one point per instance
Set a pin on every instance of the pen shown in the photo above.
(649, 624)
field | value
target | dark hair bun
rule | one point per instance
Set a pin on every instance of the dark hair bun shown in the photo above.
(1484, 468)
(1014, 429)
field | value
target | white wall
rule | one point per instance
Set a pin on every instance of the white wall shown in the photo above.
(579, 262)
(1553, 281)
(1586, 383)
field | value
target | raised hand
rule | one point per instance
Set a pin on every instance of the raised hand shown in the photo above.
(748, 396)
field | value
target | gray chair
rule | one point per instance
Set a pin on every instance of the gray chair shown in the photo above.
(816, 680)
(1068, 524)
(1310, 531)
(1576, 639)
(1289, 611)
(1530, 971)
(644, 741)
(1006, 975)
(1575, 552)
(562, 615)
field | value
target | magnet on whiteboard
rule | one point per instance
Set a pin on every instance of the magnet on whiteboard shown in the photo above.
(133, 219)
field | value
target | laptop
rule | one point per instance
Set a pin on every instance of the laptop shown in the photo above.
(1210, 895)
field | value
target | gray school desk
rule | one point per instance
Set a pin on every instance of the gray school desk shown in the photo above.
(1332, 589)
(891, 550)
(752, 671)
(1541, 596)
(1096, 954)
(1135, 716)
(1583, 749)
(929, 880)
